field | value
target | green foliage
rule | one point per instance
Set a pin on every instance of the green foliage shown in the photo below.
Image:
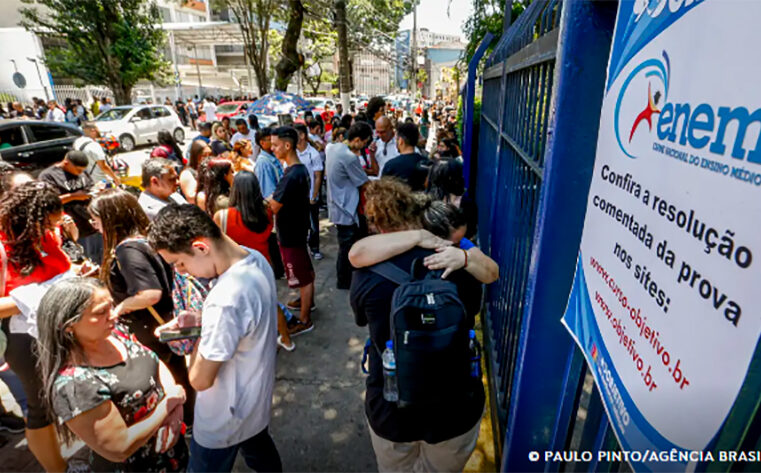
(101, 42)
(488, 17)
(319, 44)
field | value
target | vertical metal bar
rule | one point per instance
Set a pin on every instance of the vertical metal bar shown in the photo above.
(584, 44)
(470, 97)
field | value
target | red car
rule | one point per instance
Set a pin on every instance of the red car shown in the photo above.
(228, 109)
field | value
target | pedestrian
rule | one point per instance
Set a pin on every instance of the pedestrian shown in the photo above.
(269, 171)
(106, 105)
(30, 215)
(81, 112)
(436, 434)
(220, 143)
(290, 202)
(376, 108)
(199, 150)
(167, 148)
(209, 108)
(216, 178)
(447, 183)
(311, 158)
(103, 386)
(55, 114)
(233, 366)
(95, 107)
(192, 112)
(345, 178)
(243, 132)
(383, 149)
(444, 228)
(182, 112)
(140, 282)
(159, 179)
(248, 221)
(228, 127)
(74, 185)
(411, 167)
(243, 150)
(99, 167)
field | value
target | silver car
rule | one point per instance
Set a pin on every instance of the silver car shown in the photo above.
(135, 125)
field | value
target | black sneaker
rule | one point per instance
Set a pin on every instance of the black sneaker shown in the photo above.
(11, 423)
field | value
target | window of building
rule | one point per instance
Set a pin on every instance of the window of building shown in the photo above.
(166, 15)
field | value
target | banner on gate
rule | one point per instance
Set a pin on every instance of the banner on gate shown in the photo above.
(665, 304)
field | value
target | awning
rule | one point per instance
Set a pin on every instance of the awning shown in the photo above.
(206, 33)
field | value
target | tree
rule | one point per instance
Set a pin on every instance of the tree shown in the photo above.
(290, 60)
(319, 44)
(488, 16)
(253, 18)
(344, 70)
(101, 42)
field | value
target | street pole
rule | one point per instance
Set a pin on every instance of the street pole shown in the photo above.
(198, 71)
(344, 73)
(413, 80)
(173, 51)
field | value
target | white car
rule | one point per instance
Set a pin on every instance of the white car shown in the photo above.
(321, 102)
(135, 125)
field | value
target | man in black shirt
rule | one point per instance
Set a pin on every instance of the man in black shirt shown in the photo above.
(409, 166)
(73, 182)
(290, 202)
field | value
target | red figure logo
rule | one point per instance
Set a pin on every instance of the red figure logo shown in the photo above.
(647, 113)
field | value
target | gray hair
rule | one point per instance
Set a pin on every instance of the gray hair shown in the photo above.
(61, 306)
(155, 167)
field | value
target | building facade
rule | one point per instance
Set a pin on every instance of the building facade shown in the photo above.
(371, 74)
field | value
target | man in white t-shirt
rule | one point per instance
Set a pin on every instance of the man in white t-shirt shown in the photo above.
(55, 114)
(98, 168)
(384, 149)
(210, 109)
(311, 158)
(233, 365)
(243, 133)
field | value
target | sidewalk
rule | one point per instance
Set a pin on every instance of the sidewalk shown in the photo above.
(318, 420)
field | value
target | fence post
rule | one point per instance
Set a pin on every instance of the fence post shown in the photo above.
(543, 367)
(469, 106)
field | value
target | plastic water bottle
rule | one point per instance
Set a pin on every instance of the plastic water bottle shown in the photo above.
(475, 355)
(390, 387)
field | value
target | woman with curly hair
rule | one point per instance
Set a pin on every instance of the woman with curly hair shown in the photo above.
(139, 280)
(29, 216)
(437, 442)
(216, 179)
(241, 156)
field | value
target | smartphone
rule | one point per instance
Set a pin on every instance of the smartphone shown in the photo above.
(179, 333)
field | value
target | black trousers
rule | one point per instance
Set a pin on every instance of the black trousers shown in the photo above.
(347, 236)
(314, 227)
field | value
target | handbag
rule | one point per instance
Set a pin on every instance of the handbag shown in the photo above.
(71, 248)
(188, 294)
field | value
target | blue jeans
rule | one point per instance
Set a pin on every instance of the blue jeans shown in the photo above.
(259, 453)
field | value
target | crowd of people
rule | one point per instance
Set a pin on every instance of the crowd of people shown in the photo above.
(147, 324)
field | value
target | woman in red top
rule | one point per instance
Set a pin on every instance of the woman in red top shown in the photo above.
(248, 221)
(29, 215)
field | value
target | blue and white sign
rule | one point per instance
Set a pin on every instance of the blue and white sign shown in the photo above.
(665, 305)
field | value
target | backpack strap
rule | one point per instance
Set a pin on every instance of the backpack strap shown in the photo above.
(391, 272)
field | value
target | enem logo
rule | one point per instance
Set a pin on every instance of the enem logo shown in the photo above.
(642, 92)
(693, 126)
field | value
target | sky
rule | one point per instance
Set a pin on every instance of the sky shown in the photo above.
(432, 14)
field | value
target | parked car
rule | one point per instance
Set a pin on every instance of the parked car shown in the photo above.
(135, 125)
(35, 145)
(229, 110)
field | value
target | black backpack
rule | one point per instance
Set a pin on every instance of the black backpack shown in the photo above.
(429, 327)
